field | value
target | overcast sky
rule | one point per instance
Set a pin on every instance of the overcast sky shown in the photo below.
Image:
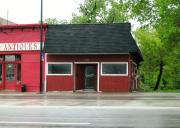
(28, 11)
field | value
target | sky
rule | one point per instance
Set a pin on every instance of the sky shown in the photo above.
(28, 11)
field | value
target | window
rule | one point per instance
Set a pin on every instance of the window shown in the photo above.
(18, 72)
(60, 69)
(10, 72)
(12, 57)
(1, 57)
(116, 68)
(0, 73)
(18, 57)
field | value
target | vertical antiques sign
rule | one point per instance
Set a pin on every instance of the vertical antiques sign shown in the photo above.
(24, 46)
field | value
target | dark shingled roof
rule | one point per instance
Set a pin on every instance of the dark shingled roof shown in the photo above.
(91, 39)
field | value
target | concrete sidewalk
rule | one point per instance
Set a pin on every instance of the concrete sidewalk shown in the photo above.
(91, 99)
(95, 94)
(133, 95)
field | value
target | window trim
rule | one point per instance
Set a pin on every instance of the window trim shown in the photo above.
(114, 74)
(60, 74)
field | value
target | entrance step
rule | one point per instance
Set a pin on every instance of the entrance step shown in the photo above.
(87, 91)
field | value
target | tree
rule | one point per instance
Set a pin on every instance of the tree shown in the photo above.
(55, 21)
(102, 11)
(172, 74)
(154, 55)
(163, 16)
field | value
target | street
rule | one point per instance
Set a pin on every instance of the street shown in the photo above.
(91, 111)
(95, 117)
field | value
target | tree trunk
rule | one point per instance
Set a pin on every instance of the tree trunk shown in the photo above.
(159, 76)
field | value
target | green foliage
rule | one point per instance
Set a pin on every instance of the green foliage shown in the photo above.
(89, 12)
(172, 74)
(102, 11)
(153, 53)
(55, 21)
(163, 16)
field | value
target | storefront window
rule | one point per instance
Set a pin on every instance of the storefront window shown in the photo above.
(1, 57)
(10, 72)
(59, 69)
(0, 73)
(114, 68)
(18, 57)
(10, 58)
(18, 72)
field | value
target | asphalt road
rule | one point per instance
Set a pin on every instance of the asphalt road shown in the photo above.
(90, 117)
(149, 110)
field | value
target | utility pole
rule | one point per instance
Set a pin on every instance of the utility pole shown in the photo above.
(7, 17)
(41, 49)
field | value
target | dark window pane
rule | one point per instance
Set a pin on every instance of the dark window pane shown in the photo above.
(114, 68)
(1, 57)
(59, 68)
(18, 57)
(0, 72)
(18, 72)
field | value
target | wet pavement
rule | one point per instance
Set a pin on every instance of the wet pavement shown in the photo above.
(91, 99)
(91, 110)
(37, 117)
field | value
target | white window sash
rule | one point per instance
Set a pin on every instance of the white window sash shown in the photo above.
(102, 74)
(59, 64)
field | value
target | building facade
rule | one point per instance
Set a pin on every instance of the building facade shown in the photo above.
(20, 57)
(99, 57)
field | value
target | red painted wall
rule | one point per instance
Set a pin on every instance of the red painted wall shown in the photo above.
(20, 33)
(59, 83)
(88, 58)
(30, 60)
(106, 83)
(30, 71)
(1, 86)
(114, 84)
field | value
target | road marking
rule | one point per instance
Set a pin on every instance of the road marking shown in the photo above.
(91, 107)
(42, 123)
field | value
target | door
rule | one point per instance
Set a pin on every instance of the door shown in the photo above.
(80, 77)
(10, 75)
(90, 76)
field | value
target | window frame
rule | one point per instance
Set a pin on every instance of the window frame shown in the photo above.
(102, 74)
(60, 64)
